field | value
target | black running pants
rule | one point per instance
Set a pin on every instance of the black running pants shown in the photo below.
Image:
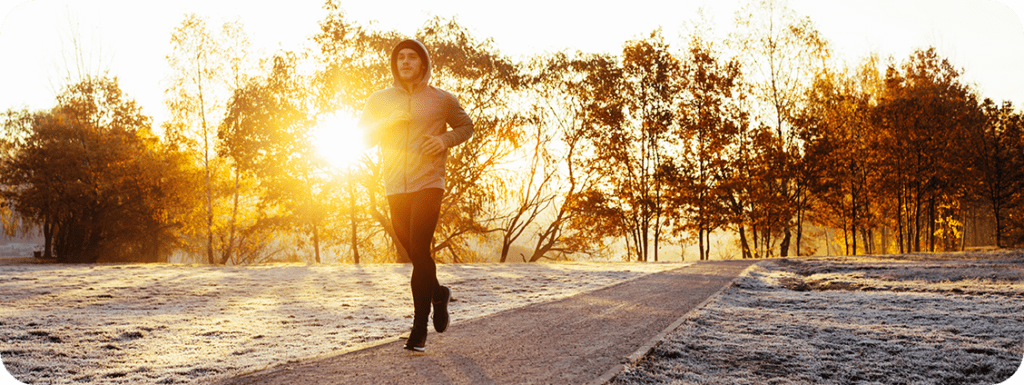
(414, 217)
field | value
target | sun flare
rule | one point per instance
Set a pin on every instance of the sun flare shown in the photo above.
(338, 140)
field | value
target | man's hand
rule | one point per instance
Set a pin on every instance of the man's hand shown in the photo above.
(432, 145)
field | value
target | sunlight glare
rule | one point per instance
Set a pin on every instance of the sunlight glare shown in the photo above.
(338, 140)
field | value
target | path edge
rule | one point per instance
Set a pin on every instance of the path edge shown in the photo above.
(271, 367)
(647, 346)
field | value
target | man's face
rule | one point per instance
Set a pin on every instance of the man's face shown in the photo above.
(410, 65)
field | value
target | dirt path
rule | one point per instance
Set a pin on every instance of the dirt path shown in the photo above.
(581, 339)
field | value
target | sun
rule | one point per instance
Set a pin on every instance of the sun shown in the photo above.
(338, 140)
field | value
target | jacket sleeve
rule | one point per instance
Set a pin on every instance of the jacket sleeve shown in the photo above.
(369, 122)
(460, 122)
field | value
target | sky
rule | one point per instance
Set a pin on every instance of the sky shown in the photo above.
(130, 38)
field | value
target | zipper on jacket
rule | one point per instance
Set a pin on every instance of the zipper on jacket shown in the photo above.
(408, 131)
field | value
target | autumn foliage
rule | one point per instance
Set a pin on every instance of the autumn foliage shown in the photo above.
(757, 145)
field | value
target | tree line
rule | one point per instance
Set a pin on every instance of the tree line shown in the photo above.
(763, 135)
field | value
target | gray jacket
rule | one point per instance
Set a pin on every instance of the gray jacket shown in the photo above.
(406, 168)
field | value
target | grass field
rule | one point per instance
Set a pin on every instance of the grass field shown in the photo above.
(913, 319)
(174, 324)
(909, 319)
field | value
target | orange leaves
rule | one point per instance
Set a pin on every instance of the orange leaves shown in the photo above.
(91, 174)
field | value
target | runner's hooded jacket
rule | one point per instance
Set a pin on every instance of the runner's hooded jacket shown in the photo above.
(406, 167)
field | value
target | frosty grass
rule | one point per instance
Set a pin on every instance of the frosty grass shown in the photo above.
(913, 319)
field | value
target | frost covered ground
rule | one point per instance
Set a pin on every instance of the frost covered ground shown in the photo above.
(912, 319)
(932, 319)
(172, 324)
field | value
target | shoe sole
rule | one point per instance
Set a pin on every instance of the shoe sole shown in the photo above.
(415, 348)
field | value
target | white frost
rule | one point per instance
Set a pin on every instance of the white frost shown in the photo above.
(918, 319)
(164, 324)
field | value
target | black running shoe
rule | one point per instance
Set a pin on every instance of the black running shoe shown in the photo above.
(417, 341)
(441, 310)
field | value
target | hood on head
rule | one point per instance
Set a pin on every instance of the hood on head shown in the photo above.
(420, 49)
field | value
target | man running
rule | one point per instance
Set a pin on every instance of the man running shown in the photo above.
(409, 121)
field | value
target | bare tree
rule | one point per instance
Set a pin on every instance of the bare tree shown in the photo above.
(782, 52)
(196, 97)
(82, 53)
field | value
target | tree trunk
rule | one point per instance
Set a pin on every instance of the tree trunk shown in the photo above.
(799, 228)
(47, 239)
(885, 240)
(931, 223)
(768, 245)
(657, 238)
(505, 246)
(316, 242)
(828, 243)
(352, 218)
(206, 168)
(645, 233)
(539, 252)
(853, 219)
(234, 218)
(700, 242)
(917, 221)
(999, 223)
(743, 243)
(756, 252)
(707, 245)
(846, 237)
(899, 221)
(787, 235)
(963, 234)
